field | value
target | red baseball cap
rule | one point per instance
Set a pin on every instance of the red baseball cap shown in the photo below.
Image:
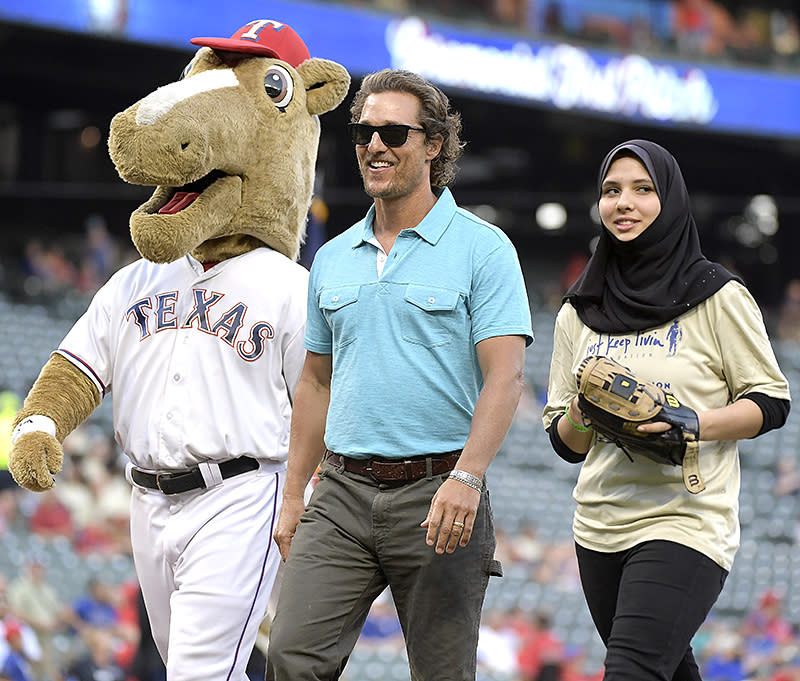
(12, 628)
(264, 37)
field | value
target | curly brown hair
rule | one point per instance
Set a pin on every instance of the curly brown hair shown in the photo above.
(436, 116)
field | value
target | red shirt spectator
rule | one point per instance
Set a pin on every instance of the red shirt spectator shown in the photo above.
(51, 518)
(538, 649)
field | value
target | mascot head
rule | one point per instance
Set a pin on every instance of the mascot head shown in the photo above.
(230, 148)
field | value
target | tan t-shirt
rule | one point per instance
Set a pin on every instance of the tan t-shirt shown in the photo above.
(708, 358)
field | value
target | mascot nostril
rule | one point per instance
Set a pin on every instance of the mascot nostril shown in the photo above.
(201, 340)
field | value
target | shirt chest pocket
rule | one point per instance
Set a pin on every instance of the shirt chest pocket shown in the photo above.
(338, 304)
(432, 315)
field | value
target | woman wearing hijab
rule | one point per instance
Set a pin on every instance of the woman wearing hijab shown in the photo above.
(653, 557)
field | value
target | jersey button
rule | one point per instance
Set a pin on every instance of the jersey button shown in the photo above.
(176, 378)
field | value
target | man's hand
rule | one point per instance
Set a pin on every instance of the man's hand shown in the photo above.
(288, 520)
(451, 516)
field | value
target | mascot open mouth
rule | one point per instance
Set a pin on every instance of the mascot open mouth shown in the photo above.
(183, 197)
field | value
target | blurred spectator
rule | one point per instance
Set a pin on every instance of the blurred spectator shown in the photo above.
(382, 626)
(530, 404)
(752, 40)
(127, 623)
(573, 666)
(35, 602)
(513, 13)
(100, 255)
(606, 29)
(497, 645)
(702, 28)
(767, 620)
(559, 567)
(785, 34)
(97, 606)
(9, 405)
(97, 663)
(724, 661)
(503, 546)
(553, 22)
(147, 664)
(47, 269)
(113, 493)
(316, 232)
(96, 491)
(28, 647)
(15, 664)
(74, 492)
(101, 247)
(540, 651)
(392, 5)
(789, 313)
(569, 275)
(527, 547)
(787, 476)
(50, 517)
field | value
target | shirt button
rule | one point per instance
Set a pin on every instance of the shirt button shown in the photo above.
(336, 299)
(176, 378)
(169, 416)
(431, 300)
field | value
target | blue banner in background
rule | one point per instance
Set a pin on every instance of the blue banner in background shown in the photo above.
(493, 65)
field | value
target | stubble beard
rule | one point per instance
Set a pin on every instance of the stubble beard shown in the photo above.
(397, 187)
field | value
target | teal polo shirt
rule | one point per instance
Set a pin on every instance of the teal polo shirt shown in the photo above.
(405, 370)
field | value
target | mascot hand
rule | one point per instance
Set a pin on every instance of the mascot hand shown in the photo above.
(33, 460)
(60, 399)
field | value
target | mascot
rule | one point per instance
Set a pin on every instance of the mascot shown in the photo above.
(200, 341)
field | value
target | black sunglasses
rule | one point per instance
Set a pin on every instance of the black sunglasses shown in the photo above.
(391, 135)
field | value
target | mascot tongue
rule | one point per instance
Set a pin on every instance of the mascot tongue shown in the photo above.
(178, 202)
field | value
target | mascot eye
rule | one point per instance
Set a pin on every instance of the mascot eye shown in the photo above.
(279, 86)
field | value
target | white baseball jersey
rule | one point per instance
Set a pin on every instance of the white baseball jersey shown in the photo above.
(202, 365)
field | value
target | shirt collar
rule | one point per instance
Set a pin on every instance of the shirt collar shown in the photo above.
(431, 228)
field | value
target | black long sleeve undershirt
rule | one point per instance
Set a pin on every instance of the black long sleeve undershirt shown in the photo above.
(560, 447)
(775, 410)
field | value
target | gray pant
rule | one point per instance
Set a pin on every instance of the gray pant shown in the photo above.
(356, 537)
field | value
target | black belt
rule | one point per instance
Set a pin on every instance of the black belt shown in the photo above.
(396, 470)
(176, 482)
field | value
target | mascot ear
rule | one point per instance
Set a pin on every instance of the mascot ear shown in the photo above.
(326, 84)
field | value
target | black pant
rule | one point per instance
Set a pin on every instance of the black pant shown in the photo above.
(647, 603)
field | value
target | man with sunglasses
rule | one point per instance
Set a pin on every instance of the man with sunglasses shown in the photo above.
(418, 320)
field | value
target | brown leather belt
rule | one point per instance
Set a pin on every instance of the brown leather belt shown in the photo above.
(396, 470)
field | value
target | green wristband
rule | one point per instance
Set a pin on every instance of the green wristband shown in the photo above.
(577, 426)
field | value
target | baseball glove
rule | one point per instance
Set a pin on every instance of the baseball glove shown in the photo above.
(616, 402)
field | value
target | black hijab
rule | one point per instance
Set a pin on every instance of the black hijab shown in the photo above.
(659, 275)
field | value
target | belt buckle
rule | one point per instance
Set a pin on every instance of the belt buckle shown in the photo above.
(158, 481)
